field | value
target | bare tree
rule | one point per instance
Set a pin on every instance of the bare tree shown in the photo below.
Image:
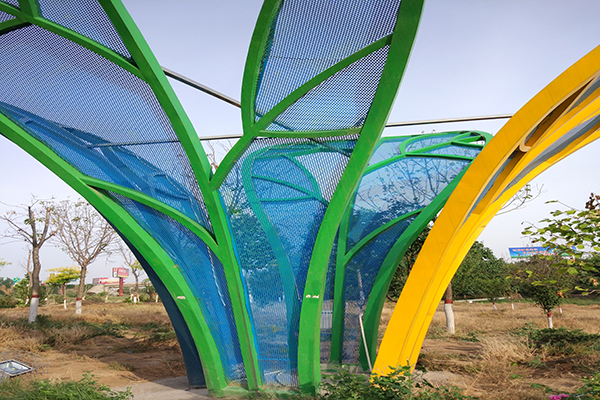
(136, 268)
(84, 234)
(525, 195)
(35, 231)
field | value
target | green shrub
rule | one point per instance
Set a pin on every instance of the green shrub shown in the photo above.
(8, 302)
(95, 298)
(559, 341)
(144, 298)
(399, 384)
(85, 389)
(590, 389)
(546, 297)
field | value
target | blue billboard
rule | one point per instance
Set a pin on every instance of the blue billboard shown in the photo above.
(526, 252)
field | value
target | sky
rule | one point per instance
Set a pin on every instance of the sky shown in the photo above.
(470, 58)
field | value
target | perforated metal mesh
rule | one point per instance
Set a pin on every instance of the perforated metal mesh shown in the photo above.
(86, 17)
(5, 17)
(308, 37)
(361, 272)
(430, 141)
(398, 188)
(275, 197)
(205, 276)
(386, 149)
(14, 3)
(342, 101)
(100, 118)
(389, 190)
(457, 151)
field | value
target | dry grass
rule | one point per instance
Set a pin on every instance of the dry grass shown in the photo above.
(491, 361)
(498, 364)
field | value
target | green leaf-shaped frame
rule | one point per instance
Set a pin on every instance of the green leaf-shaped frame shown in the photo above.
(82, 93)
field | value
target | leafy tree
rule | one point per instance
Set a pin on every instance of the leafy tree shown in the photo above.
(6, 282)
(572, 234)
(494, 288)
(84, 235)
(34, 226)
(406, 264)
(60, 277)
(21, 289)
(539, 279)
(479, 272)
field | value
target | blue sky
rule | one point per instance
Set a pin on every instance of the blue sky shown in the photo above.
(470, 58)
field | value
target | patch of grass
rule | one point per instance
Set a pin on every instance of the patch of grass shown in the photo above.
(469, 337)
(537, 363)
(160, 337)
(86, 388)
(117, 366)
(437, 332)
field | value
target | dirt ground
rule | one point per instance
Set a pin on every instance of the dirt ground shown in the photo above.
(135, 357)
(484, 358)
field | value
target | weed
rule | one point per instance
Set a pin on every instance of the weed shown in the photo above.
(86, 388)
(537, 363)
(399, 384)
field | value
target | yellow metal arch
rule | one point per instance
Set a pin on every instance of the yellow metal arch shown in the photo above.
(559, 120)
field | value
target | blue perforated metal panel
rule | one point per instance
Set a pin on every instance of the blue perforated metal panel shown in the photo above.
(398, 188)
(395, 185)
(386, 149)
(457, 151)
(361, 272)
(308, 37)
(14, 3)
(86, 17)
(5, 17)
(275, 198)
(205, 276)
(100, 118)
(342, 101)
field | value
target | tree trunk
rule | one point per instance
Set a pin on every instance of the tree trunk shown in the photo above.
(80, 290)
(29, 273)
(494, 304)
(135, 288)
(550, 325)
(35, 284)
(448, 310)
(64, 293)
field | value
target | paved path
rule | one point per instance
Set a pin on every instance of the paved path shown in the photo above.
(167, 389)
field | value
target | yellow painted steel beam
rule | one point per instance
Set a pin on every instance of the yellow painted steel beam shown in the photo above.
(558, 121)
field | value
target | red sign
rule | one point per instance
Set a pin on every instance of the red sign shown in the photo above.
(120, 272)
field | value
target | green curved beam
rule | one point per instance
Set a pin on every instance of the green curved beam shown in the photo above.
(157, 80)
(309, 368)
(161, 207)
(151, 251)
